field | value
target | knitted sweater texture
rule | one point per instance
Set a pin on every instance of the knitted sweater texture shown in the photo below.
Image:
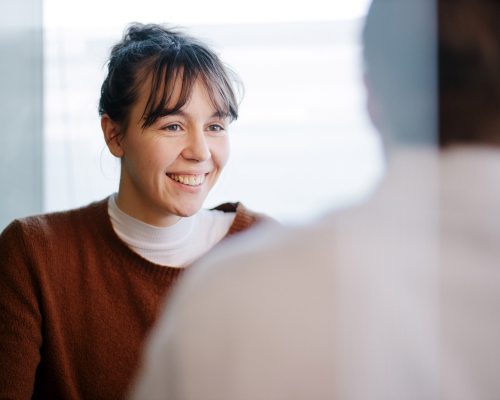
(76, 304)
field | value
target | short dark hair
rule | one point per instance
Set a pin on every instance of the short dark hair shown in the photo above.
(469, 71)
(169, 57)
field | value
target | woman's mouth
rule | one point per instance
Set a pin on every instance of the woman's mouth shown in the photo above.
(189, 180)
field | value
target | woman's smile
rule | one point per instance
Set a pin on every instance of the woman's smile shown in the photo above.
(189, 184)
(188, 179)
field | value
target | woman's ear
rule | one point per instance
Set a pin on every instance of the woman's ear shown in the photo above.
(112, 135)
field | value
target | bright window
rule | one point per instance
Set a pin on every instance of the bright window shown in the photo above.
(303, 143)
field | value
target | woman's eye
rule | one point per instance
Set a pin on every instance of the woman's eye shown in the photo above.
(172, 128)
(216, 128)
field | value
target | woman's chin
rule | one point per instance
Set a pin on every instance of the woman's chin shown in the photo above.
(188, 210)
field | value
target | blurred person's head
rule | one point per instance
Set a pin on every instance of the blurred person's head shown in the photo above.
(415, 72)
(165, 107)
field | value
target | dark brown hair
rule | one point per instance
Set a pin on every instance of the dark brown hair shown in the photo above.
(168, 57)
(469, 71)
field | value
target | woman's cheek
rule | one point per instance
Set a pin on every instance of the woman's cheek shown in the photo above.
(221, 153)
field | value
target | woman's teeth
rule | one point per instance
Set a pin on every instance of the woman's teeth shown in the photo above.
(190, 180)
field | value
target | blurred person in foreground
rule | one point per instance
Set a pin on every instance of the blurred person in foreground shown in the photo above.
(394, 299)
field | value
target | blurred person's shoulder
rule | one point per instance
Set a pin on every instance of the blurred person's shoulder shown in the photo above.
(269, 248)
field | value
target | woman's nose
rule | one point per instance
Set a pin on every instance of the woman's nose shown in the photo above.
(197, 148)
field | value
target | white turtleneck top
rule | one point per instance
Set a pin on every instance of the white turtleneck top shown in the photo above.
(174, 246)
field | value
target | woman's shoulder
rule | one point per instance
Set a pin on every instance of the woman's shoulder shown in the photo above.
(245, 218)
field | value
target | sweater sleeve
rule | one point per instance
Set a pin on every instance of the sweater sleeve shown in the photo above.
(20, 320)
(245, 218)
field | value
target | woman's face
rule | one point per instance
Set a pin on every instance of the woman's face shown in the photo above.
(168, 168)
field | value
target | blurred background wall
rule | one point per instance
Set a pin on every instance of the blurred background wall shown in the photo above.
(21, 93)
(302, 144)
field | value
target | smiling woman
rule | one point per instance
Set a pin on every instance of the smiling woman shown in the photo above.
(169, 167)
(81, 288)
(174, 134)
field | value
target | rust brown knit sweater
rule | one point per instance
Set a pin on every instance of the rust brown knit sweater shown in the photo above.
(76, 304)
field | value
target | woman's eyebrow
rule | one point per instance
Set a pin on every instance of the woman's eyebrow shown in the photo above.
(216, 114)
(166, 112)
(220, 114)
